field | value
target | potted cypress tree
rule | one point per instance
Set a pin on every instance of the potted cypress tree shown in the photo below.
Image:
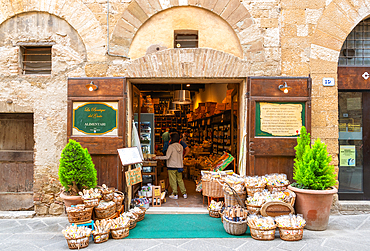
(76, 172)
(315, 179)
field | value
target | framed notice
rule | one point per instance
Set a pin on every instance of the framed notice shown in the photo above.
(279, 119)
(129, 156)
(347, 155)
(95, 118)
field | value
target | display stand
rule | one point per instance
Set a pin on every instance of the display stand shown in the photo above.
(156, 200)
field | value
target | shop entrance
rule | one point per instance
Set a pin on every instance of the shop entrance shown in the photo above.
(207, 124)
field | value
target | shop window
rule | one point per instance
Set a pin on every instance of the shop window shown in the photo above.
(186, 39)
(36, 60)
(356, 49)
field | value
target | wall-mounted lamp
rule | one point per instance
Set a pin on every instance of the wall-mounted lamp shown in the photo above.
(92, 86)
(284, 88)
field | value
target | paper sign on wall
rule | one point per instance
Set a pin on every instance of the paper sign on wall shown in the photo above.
(347, 155)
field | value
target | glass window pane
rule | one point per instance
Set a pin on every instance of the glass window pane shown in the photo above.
(350, 142)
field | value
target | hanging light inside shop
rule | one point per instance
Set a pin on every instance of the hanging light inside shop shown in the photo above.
(182, 97)
(173, 107)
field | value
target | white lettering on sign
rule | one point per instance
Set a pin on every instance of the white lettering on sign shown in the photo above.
(366, 75)
(328, 82)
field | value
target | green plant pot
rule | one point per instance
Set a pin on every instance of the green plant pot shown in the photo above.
(314, 205)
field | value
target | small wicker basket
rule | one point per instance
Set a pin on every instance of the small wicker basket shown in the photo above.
(267, 234)
(280, 188)
(120, 233)
(108, 195)
(101, 237)
(140, 217)
(233, 227)
(80, 216)
(91, 202)
(119, 199)
(251, 190)
(291, 233)
(253, 209)
(103, 213)
(231, 199)
(77, 243)
(132, 224)
(214, 213)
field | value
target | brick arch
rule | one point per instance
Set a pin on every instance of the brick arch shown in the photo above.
(188, 63)
(337, 21)
(83, 20)
(139, 11)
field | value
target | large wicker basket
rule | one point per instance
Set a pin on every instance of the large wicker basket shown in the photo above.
(80, 216)
(103, 213)
(234, 228)
(120, 233)
(267, 234)
(212, 188)
(232, 200)
(251, 190)
(291, 233)
(101, 237)
(77, 243)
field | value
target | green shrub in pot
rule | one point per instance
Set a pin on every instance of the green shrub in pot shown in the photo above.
(76, 169)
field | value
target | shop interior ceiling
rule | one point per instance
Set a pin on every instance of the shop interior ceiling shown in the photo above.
(166, 90)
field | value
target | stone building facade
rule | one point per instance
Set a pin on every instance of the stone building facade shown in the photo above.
(241, 38)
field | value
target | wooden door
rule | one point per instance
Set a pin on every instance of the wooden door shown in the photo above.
(271, 133)
(16, 161)
(101, 142)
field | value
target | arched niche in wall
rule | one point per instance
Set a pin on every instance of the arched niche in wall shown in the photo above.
(213, 31)
(37, 29)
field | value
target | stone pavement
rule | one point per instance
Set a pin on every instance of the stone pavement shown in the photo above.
(345, 232)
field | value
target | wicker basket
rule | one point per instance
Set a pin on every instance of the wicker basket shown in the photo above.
(291, 233)
(280, 188)
(80, 216)
(267, 234)
(102, 213)
(119, 198)
(120, 233)
(251, 190)
(252, 209)
(77, 243)
(101, 237)
(231, 199)
(108, 195)
(235, 228)
(212, 188)
(214, 213)
(91, 202)
(140, 217)
(132, 224)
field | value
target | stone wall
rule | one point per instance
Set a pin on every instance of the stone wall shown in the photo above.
(276, 38)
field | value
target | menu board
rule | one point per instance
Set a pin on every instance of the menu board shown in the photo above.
(95, 118)
(133, 176)
(129, 156)
(279, 119)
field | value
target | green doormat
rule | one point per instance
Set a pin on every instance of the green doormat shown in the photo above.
(160, 226)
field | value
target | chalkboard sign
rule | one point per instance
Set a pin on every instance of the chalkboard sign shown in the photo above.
(279, 119)
(95, 118)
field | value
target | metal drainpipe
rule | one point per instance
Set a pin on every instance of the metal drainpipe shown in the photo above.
(108, 53)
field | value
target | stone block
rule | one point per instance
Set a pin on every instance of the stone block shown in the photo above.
(293, 16)
(131, 19)
(289, 30)
(324, 132)
(326, 24)
(239, 14)
(318, 119)
(323, 67)
(260, 13)
(136, 11)
(47, 198)
(303, 4)
(96, 70)
(220, 6)
(269, 23)
(56, 209)
(337, 16)
(230, 8)
(41, 209)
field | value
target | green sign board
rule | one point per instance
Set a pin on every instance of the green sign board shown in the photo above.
(95, 118)
(279, 119)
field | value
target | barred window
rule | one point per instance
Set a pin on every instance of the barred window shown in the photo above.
(356, 48)
(36, 60)
(186, 39)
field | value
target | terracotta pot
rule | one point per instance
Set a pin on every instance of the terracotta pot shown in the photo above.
(71, 200)
(314, 205)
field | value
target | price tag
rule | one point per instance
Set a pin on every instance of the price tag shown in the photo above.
(328, 82)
